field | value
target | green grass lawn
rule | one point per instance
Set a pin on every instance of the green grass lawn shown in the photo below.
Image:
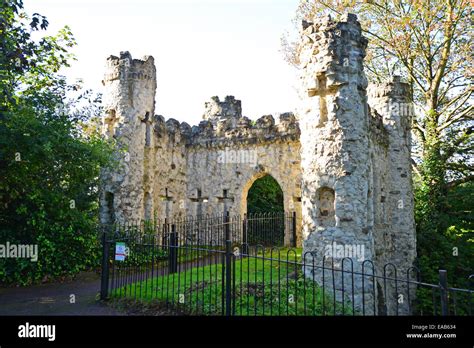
(261, 287)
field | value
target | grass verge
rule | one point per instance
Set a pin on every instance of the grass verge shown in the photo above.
(264, 284)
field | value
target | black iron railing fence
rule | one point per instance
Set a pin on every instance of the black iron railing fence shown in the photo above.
(268, 229)
(211, 266)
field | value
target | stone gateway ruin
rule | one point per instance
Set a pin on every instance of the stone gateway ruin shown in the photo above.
(342, 161)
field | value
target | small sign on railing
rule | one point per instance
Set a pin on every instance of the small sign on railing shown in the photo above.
(120, 251)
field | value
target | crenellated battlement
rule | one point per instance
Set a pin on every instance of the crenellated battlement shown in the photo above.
(231, 129)
(125, 67)
(393, 89)
(227, 109)
(330, 53)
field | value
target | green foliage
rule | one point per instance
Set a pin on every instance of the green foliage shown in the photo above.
(48, 194)
(49, 167)
(452, 247)
(265, 196)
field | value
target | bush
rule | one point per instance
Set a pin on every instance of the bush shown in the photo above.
(48, 195)
(50, 154)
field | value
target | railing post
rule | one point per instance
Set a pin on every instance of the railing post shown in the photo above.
(293, 229)
(164, 241)
(244, 236)
(173, 251)
(443, 284)
(104, 280)
(228, 266)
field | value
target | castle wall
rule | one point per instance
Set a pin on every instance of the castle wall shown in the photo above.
(225, 156)
(378, 184)
(168, 175)
(174, 170)
(343, 163)
(395, 234)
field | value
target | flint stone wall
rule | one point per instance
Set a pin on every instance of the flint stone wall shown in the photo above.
(362, 154)
(343, 162)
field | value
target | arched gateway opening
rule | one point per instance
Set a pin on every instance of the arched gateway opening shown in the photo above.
(265, 212)
(265, 196)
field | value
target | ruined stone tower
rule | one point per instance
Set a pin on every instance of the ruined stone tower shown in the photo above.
(356, 182)
(129, 108)
(343, 162)
(397, 243)
(337, 197)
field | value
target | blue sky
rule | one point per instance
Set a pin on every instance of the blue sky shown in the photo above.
(201, 48)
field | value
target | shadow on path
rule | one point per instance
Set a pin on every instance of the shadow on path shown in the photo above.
(54, 298)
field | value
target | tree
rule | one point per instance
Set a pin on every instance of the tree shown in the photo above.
(428, 43)
(49, 167)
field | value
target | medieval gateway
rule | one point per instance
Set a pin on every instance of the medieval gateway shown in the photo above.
(343, 162)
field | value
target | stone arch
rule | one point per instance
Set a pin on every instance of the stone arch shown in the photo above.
(270, 200)
(246, 187)
(272, 232)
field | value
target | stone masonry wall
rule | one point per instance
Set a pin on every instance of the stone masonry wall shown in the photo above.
(226, 153)
(343, 162)
(355, 167)
(396, 238)
(335, 143)
(178, 170)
